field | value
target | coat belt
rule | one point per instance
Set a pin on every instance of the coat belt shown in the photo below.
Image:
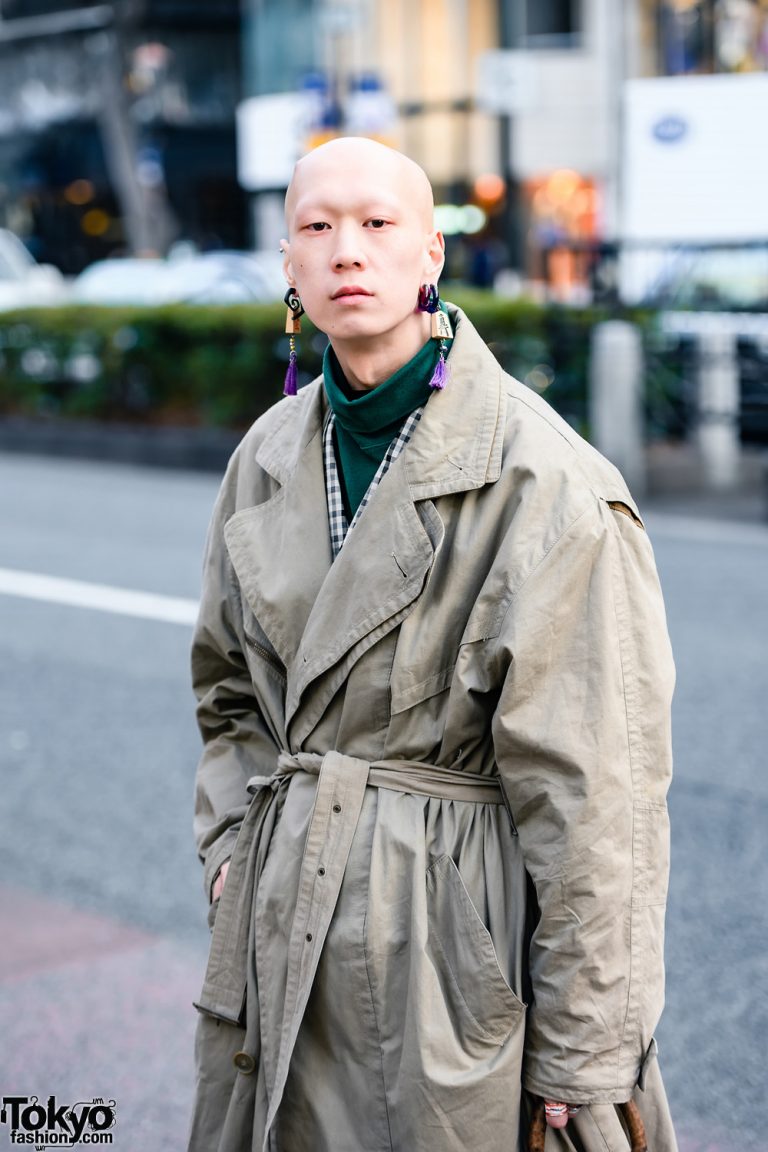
(398, 775)
(341, 785)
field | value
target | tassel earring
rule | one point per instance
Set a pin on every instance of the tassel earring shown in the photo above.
(429, 301)
(292, 328)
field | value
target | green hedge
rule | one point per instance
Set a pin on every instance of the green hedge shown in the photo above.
(224, 366)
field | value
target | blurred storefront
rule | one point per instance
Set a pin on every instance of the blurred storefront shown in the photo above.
(117, 126)
(564, 146)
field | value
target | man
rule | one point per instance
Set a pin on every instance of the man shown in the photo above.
(434, 686)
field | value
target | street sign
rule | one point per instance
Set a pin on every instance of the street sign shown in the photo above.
(506, 82)
(695, 162)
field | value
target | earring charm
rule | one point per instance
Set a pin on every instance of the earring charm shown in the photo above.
(292, 328)
(429, 301)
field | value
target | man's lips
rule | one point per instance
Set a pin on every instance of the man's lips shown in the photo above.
(350, 290)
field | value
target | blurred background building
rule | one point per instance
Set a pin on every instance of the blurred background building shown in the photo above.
(117, 126)
(128, 126)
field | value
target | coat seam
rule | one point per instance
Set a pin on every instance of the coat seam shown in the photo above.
(378, 1032)
(514, 395)
(620, 609)
(600, 1131)
(544, 557)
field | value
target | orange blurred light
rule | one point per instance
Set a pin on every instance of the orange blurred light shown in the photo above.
(319, 138)
(489, 188)
(95, 222)
(79, 192)
(585, 201)
(562, 184)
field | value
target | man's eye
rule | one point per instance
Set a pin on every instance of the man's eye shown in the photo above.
(318, 226)
(377, 223)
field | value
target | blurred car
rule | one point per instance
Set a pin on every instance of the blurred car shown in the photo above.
(208, 278)
(23, 282)
(123, 281)
(227, 277)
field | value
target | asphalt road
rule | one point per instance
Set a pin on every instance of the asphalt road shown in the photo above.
(102, 929)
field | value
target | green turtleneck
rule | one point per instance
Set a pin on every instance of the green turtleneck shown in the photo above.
(367, 422)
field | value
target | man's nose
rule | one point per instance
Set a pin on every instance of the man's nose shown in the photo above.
(349, 250)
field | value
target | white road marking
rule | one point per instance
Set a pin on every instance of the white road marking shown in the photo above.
(99, 597)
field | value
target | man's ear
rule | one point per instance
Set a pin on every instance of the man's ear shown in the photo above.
(285, 248)
(434, 257)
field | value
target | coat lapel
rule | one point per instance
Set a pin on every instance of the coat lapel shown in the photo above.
(371, 586)
(281, 549)
(458, 443)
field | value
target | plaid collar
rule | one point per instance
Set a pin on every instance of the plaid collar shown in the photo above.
(336, 515)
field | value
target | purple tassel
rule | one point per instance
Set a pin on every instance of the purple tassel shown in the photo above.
(440, 375)
(291, 377)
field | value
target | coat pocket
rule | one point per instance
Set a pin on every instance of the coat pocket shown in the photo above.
(464, 954)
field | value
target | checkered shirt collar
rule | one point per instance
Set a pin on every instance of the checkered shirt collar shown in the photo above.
(336, 516)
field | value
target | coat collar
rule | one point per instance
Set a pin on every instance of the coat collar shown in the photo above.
(458, 443)
(321, 616)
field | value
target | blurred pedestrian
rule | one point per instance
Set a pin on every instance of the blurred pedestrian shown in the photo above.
(434, 688)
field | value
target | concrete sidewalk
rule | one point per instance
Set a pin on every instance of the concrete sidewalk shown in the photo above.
(90, 1007)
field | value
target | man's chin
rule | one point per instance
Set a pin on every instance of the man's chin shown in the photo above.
(360, 328)
(357, 328)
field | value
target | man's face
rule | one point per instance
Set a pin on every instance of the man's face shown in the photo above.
(361, 241)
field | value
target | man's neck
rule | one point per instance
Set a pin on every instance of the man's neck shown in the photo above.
(368, 363)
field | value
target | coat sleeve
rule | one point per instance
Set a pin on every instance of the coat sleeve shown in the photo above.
(237, 743)
(583, 744)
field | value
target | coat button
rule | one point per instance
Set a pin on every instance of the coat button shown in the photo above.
(244, 1063)
(337, 807)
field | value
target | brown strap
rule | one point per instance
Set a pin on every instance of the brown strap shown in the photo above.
(537, 1132)
(635, 1126)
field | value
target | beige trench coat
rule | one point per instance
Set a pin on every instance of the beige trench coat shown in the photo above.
(439, 765)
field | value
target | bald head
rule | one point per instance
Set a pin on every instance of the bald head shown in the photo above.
(355, 162)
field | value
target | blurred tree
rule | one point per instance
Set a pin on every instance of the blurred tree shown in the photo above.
(136, 175)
